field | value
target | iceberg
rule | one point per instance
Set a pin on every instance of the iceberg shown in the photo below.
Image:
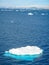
(30, 14)
(27, 53)
(42, 14)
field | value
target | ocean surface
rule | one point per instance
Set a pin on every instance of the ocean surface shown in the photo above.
(18, 29)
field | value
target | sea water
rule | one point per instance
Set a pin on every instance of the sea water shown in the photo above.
(18, 29)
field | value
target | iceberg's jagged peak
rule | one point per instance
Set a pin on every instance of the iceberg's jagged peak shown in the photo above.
(28, 50)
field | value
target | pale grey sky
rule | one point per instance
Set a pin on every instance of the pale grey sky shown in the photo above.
(24, 3)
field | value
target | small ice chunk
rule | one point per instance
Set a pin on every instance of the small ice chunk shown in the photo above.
(30, 14)
(42, 13)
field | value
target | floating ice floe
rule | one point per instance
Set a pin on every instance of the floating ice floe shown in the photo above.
(27, 53)
(17, 10)
(30, 14)
(42, 13)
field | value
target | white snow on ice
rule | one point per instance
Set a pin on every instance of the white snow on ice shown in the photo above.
(30, 14)
(28, 50)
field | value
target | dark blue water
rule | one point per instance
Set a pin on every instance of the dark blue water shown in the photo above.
(18, 29)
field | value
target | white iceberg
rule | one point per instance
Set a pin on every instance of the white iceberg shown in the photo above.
(24, 53)
(30, 14)
(42, 14)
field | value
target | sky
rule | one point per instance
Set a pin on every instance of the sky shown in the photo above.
(23, 3)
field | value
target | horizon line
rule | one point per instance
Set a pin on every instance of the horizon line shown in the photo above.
(37, 6)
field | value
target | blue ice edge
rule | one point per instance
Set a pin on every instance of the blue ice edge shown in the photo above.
(22, 57)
